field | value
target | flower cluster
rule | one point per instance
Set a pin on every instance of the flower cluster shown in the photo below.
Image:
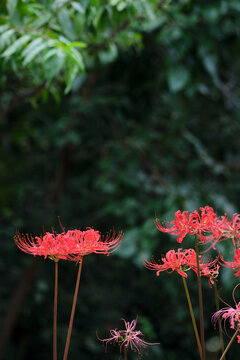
(70, 245)
(211, 230)
(129, 337)
(182, 261)
(193, 224)
(206, 227)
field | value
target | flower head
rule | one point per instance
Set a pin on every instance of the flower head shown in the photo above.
(225, 229)
(129, 337)
(54, 246)
(181, 261)
(90, 241)
(198, 223)
(235, 264)
(70, 245)
(229, 313)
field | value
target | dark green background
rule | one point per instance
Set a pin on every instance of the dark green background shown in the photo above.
(154, 131)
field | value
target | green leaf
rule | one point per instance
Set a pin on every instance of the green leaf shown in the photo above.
(114, 2)
(77, 6)
(107, 56)
(210, 63)
(41, 20)
(78, 44)
(3, 28)
(66, 22)
(177, 78)
(17, 45)
(234, 4)
(50, 53)
(54, 63)
(5, 38)
(58, 3)
(70, 77)
(11, 6)
(33, 44)
(35, 50)
(76, 56)
(121, 6)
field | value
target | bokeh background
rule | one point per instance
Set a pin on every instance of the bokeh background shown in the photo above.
(146, 122)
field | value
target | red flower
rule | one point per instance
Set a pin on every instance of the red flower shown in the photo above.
(194, 223)
(226, 229)
(90, 241)
(235, 264)
(233, 314)
(129, 337)
(182, 261)
(70, 245)
(54, 246)
(210, 270)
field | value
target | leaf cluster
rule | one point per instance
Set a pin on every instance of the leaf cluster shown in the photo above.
(58, 39)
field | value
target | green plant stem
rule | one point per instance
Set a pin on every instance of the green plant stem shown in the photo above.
(219, 321)
(200, 301)
(55, 312)
(125, 353)
(192, 316)
(235, 242)
(72, 312)
(229, 344)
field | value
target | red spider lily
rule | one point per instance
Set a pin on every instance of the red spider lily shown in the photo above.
(211, 270)
(230, 313)
(70, 245)
(194, 223)
(235, 264)
(90, 241)
(182, 261)
(54, 246)
(226, 229)
(128, 338)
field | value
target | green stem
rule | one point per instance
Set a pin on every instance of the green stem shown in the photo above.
(125, 353)
(229, 344)
(72, 312)
(200, 301)
(55, 312)
(235, 242)
(219, 321)
(192, 316)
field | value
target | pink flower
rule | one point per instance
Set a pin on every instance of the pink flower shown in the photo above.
(235, 264)
(182, 261)
(70, 245)
(226, 229)
(210, 270)
(232, 314)
(128, 338)
(54, 246)
(194, 223)
(90, 241)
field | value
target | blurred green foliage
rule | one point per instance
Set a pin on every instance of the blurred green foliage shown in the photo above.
(150, 125)
(57, 39)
